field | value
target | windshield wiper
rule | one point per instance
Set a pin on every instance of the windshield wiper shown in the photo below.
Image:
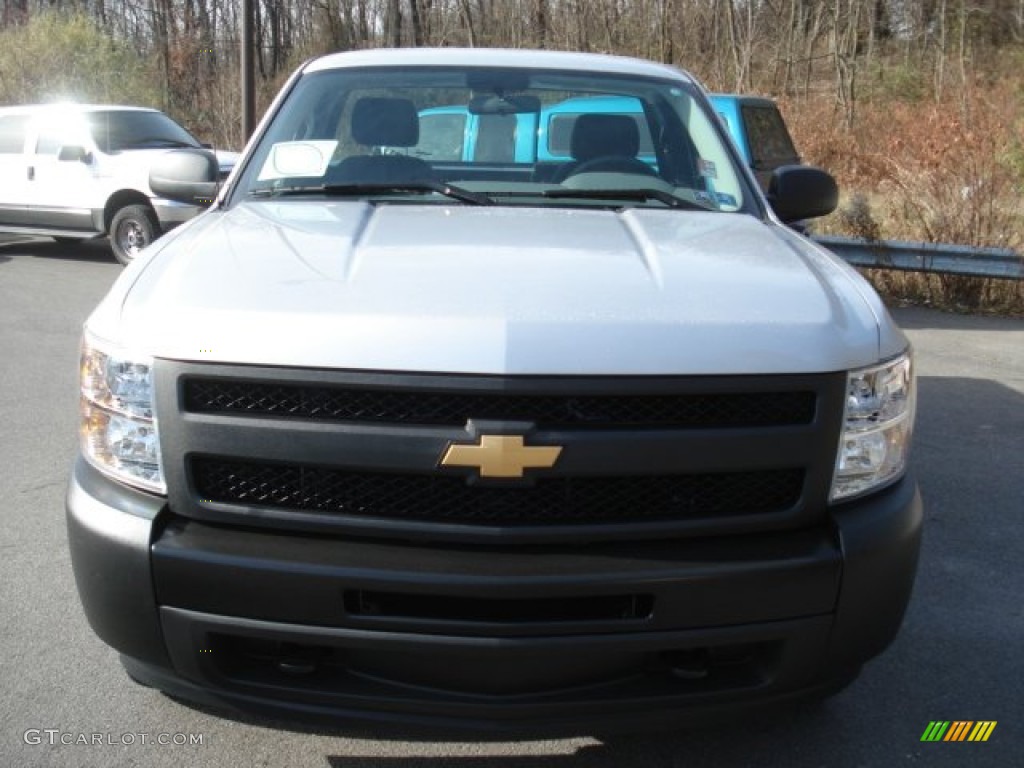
(672, 201)
(355, 190)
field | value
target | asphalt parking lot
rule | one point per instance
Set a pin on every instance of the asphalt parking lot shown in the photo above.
(960, 655)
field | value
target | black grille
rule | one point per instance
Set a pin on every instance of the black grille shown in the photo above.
(299, 401)
(449, 499)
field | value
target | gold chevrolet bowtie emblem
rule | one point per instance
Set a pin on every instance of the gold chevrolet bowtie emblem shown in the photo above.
(501, 456)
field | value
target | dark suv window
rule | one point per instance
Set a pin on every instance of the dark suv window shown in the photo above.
(12, 134)
(117, 130)
(770, 143)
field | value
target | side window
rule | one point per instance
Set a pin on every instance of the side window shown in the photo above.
(496, 139)
(441, 137)
(12, 134)
(49, 141)
(53, 133)
(646, 143)
(770, 144)
(560, 134)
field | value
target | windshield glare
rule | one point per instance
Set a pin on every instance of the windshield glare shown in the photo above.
(514, 135)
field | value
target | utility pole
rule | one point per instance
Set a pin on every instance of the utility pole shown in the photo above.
(248, 71)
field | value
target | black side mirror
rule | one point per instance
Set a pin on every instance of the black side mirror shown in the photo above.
(73, 153)
(185, 175)
(802, 192)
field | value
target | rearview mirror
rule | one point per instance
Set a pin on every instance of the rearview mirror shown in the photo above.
(503, 105)
(185, 175)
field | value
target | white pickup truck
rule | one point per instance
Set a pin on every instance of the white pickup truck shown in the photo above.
(465, 443)
(78, 171)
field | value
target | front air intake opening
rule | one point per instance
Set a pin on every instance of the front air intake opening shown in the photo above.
(396, 404)
(549, 610)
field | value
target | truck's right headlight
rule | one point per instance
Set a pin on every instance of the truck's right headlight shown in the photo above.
(877, 426)
(118, 428)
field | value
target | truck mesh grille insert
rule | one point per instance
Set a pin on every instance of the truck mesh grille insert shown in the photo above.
(253, 398)
(448, 499)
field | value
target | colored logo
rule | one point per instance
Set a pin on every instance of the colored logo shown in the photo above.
(501, 456)
(958, 730)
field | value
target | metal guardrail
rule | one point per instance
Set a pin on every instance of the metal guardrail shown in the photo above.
(927, 257)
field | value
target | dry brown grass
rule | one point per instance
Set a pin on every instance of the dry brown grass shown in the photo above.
(948, 292)
(948, 172)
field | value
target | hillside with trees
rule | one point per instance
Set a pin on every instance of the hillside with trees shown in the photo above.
(917, 106)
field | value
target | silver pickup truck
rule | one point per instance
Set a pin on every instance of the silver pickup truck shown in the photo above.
(489, 444)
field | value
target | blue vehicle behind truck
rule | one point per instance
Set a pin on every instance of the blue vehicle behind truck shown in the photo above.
(457, 133)
(759, 132)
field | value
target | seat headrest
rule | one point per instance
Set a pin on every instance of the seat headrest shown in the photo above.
(378, 121)
(597, 135)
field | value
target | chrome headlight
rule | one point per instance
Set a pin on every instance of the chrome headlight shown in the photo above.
(877, 426)
(118, 429)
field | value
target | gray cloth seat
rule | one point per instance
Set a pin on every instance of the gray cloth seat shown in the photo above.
(383, 122)
(604, 144)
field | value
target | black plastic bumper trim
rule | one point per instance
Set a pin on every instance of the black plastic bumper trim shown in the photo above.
(711, 582)
(110, 527)
(117, 535)
(782, 662)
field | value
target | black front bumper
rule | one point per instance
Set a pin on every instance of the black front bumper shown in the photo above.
(571, 637)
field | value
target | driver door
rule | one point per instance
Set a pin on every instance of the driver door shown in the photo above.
(61, 179)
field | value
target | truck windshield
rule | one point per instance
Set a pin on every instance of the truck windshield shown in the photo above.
(513, 135)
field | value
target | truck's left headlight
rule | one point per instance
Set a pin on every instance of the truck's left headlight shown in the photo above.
(877, 426)
(118, 427)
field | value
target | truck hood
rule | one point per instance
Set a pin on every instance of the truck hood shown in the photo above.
(498, 290)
